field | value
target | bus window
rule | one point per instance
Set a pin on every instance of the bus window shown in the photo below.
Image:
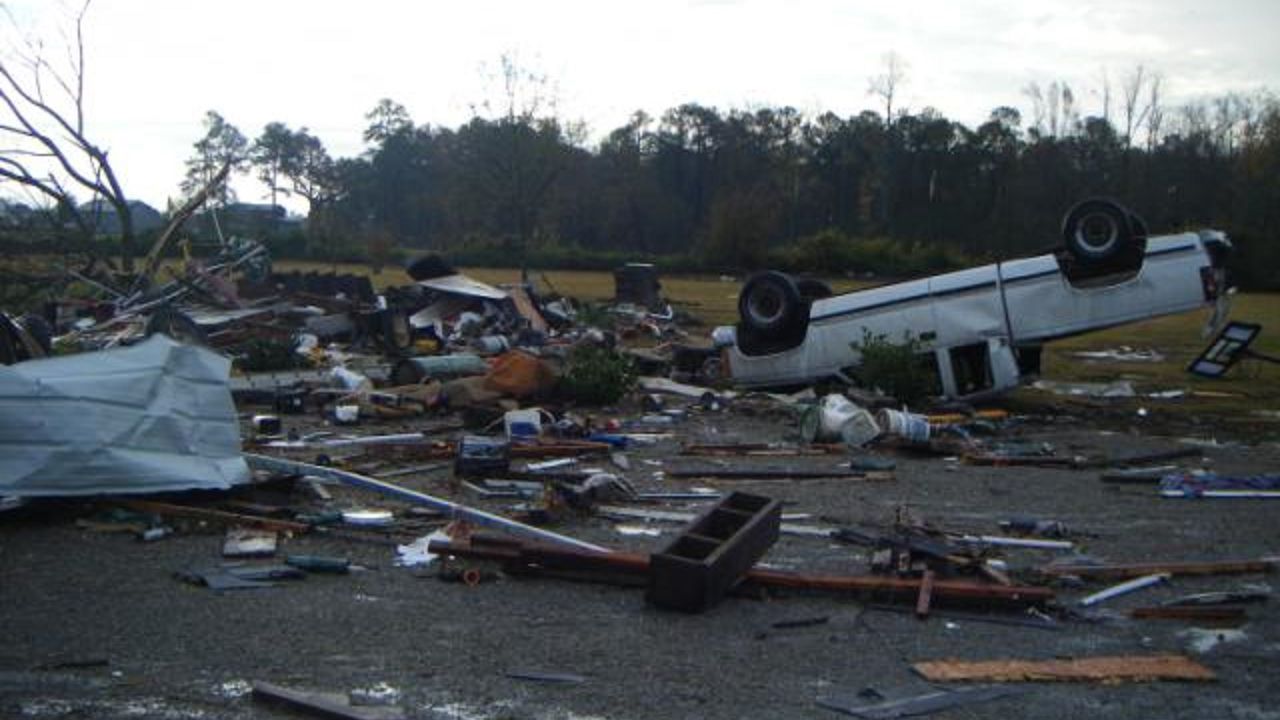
(971, 368)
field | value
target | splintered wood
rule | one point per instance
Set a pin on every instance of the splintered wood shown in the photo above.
(1118, 669)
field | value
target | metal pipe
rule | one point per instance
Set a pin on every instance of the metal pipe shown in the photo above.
(1124, 588)
(452, 509)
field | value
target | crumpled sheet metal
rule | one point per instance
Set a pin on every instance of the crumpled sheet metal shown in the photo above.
(152, 417)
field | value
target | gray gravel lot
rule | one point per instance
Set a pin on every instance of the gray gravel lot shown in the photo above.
(160, 648)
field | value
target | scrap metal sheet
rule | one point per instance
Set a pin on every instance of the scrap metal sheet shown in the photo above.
(153, 417)
(463, 285)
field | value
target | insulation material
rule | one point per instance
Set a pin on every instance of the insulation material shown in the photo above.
(152, 417)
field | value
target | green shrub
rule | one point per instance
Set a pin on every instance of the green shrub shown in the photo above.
(596, 375)
(902, 370)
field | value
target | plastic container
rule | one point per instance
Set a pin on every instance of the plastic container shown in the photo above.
(809, 423)
(491, 344)
(346, 414)
(835, 417)
(525, 423)
(350, 380)
(860, 429)
(910, 426)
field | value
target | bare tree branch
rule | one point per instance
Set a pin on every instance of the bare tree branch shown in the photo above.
(51, 128)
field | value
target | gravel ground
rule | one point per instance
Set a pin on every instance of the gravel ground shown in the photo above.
(159, 648)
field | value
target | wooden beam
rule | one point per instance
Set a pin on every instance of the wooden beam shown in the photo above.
(1139, 668)
(1219, 614)
(217, 516)
(1131, 570)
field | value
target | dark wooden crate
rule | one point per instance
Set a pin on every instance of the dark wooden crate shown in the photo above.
(711, 555)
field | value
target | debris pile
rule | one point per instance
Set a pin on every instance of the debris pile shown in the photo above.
(476, 434)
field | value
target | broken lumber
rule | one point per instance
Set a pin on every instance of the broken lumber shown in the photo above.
(1226, 615)
(1020, 460)
(217, 516)
(767, 474)
(1107, 669)
(1133, 570)
(764, 450)
(926, 595)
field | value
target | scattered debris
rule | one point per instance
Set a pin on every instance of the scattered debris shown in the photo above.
(325, 705)
(1212, 485)
(556, 417)
(242, 542)
(918, 705)
(1202, 640)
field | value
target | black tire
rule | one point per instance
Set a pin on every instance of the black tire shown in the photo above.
(428, 267)
(813, 289)
(1098, 230)
(769, 303)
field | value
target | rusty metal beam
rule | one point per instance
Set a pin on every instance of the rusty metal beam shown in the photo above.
(535, 558)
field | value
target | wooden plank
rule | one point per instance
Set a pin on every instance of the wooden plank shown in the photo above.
(1130, 570)
(1192, 613)
(218, 516)
(926, 595)
(775, 474)
(1106, 669)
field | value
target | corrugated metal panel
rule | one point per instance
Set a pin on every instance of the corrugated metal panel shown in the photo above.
(152, 417)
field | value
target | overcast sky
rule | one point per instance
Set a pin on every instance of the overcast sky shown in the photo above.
(154, 68)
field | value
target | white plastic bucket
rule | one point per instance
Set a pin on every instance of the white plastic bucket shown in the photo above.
(834, 411)
(909, 426)
(809, 422)
(860, 429)
(835, 417)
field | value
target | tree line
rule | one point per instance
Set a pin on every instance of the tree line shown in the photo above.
(740, 189)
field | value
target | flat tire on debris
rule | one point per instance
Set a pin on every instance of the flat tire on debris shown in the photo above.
(1100, 231)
